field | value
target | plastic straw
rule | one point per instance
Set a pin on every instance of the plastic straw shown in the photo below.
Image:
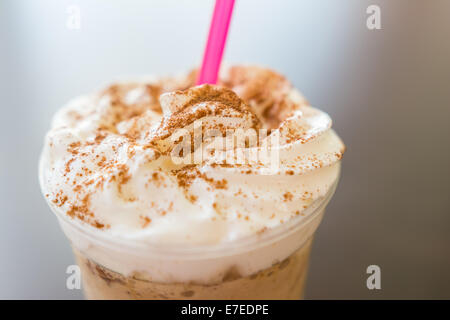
(217, 37)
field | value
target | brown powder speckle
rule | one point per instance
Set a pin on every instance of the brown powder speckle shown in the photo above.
(82, 212)
(145, 221)
(288, 196)
(68, 163)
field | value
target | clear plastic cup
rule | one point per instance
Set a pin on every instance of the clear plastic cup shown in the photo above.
(271, 265)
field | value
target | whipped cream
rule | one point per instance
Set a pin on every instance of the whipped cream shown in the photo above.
(108, 167)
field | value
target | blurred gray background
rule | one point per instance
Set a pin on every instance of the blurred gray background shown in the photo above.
(387, 91)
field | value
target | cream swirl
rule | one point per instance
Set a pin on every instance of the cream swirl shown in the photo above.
(107, 160)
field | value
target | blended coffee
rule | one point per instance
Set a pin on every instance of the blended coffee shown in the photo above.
(168, 190)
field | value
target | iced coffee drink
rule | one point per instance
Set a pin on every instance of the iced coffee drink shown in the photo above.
(167, 190)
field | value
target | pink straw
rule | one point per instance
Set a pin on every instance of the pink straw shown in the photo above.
(216, 42)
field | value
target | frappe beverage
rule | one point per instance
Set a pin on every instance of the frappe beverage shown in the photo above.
(168, 190)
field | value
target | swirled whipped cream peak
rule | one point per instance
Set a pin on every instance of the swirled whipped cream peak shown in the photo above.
(111, 160)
